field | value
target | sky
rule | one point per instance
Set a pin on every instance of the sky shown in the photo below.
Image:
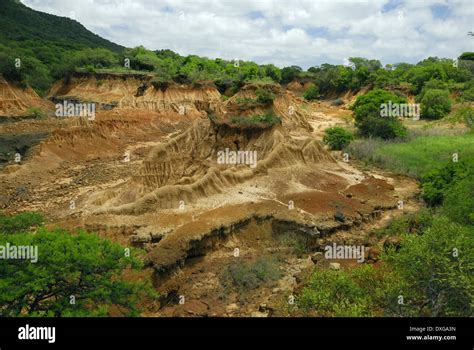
(282, 32)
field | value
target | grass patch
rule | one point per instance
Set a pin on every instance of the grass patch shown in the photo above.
(296, 242)
(35, 113)
(417, 156)
(250, 275)
(410, 223)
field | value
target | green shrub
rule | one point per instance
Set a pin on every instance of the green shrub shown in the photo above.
(36, 113)
(96, 58)
(296, 242)
(289, 74)
(468, 95)
(251, 275)
(412, 223)
(459, 201)
(337, 138)
(312, 93)
(437, 270)
(385, 128)
(264, 96)
(338, 293)
(430, 274)
(81, 265)
(435, 104)
(368, 119)
(436, 182)
(435, 84)
(463, 115)
(18, 223)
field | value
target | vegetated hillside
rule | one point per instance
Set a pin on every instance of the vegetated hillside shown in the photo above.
(52, 48)
(26, 28)
(42, 42)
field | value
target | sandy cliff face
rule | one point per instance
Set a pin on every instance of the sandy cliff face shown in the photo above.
(192, 166)
(287, 105)
(15, 101)
(187, 168)
(173, 195)
(136, 92)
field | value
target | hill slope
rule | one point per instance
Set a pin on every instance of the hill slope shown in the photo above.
(29, 28)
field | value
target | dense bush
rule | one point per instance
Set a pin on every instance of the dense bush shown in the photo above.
(98, 58)
(312, 93)
(334, 293)
(459, 200)
(20, 222)
(429, 274)
(42, 42)
(434, 84)
(468, 94)
(35, 113)
(70, 274)
(288, 74)
(435, 104)
(25, 70)
(412, 223)
(337, 138)
(368, 119)
(437, 182)
(385, 128)
(437, 270)
(264, 96)
(463, 115)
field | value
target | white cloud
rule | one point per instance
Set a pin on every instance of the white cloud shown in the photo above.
(283, 32)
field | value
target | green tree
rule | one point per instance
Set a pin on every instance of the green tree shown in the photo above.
(337, 138)
(81, 267)
(437, 182)
(435, 104)
(438, 270)
(369, 120)
(288, 74)
(371, 65)
(273, 72)
(312, 93)
(430, 85)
